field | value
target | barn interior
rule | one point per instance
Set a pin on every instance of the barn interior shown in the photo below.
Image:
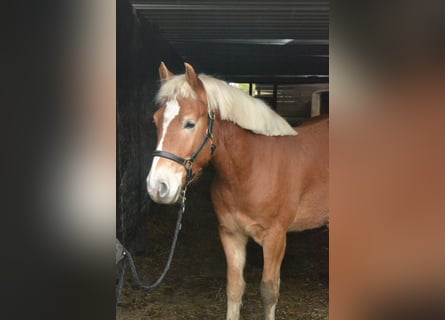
(275, 51)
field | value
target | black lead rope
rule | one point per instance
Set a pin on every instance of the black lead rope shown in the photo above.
(124, 254)
(127, 257)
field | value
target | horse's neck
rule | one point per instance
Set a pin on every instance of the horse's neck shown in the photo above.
(235, 151)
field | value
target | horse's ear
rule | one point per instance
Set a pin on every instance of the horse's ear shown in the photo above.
(192, 78)
(195, 82)
(164, 73)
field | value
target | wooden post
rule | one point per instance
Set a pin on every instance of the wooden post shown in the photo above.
(274, 98)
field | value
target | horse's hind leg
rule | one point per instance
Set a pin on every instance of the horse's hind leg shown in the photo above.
(235, 249)
(274, 246)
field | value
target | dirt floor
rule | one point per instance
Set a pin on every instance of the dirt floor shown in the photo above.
(194, 288)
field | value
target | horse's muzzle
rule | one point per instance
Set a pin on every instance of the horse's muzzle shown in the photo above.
(161, 191)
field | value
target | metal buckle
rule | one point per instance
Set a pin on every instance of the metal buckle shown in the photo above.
(188, 164)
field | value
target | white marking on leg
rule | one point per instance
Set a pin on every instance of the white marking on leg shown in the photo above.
(271, 315)
(233, 310)
(234, 298)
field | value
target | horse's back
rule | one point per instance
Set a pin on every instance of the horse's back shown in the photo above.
(312, 190)
(317, 125)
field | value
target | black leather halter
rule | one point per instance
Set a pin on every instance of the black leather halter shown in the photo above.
(188, 163)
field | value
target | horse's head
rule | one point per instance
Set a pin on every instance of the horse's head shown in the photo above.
(185, 128)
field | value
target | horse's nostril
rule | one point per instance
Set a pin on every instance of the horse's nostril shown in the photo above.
(163, 189)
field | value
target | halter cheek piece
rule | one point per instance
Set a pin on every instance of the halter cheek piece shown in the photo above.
(188, 163)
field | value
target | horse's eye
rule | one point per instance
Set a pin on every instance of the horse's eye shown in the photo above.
(189, 124)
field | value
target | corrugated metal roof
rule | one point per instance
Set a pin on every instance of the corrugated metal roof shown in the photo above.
(287, 39)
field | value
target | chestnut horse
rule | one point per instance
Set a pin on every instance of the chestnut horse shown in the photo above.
(268, 180)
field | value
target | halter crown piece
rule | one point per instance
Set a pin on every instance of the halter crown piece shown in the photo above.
(188, 163)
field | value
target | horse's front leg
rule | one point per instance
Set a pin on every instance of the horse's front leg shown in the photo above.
(274, 246)
(234, 244)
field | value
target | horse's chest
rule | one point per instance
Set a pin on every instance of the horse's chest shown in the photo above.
(243, 221)
(245, 212)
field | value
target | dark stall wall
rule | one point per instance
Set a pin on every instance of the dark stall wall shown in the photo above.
(140, 48)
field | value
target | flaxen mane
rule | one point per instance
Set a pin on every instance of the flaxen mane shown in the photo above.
(233, 105)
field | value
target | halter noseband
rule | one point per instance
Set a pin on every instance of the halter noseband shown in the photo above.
(188, 163)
